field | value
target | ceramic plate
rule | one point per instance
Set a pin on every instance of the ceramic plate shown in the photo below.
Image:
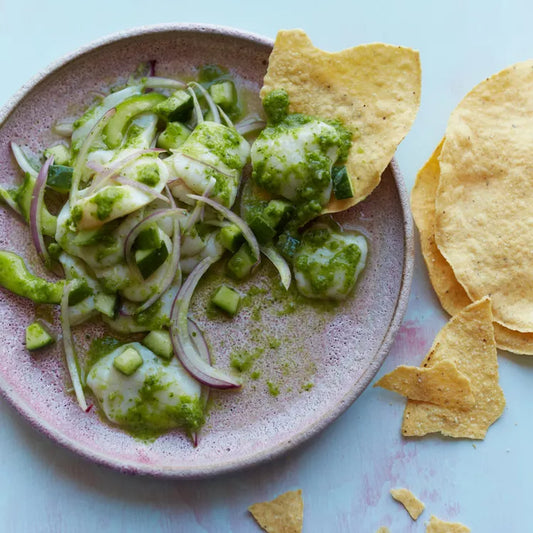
(320, 361)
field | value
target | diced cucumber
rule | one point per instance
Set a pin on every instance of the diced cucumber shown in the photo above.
(62, 154)
(224, 94)
(128, 361)
(125, 112)
(79, 293)
(342, 184)
(148, 261)
(287, 245)
(159, 342)
(106, 304)
(54, 250)
(60, 178)
(177, 107)
(231, 237)
(227, 299)
(262, 228)
(173, 136)
(38, 336)
(240, 265)
(148, 238)
(277, 212)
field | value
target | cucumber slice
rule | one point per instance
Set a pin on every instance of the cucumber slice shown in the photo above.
(38, 336)
(60, 178)
(176, 107)
(227, 299)
(128, 361)
(125, 112)
(106, 304)
(148, 261)
(342, 184)
(159, 342)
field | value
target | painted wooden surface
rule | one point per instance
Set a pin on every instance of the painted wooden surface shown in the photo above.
(347, 471)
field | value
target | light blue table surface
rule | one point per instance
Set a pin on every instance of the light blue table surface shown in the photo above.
(345, 472)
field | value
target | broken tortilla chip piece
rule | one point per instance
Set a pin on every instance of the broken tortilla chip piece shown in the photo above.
(373, 89)
(411, 503)
(284, 514)
(383, 529)
(467, 340)
(436, 525)
(449, 291)
(441, 384)
(484, 213)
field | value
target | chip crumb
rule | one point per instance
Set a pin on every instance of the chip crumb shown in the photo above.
(283, 514)
(436, 525)
(411, 503)
(383, 529)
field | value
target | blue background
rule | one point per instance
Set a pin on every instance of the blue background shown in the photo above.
(347, 471)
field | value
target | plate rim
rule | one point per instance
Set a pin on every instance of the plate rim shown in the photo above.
(265, 455)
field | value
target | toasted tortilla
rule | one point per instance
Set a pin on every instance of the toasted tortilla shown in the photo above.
(484, 201)
(467, 340)
(374, 89)
(449, 291)
(436, 525)
(411, 503)
(284, 514)
(441, 384)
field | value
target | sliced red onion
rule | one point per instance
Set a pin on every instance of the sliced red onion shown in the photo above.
(154, 216)
(171, 200)
(36, 208)
(173, 268)
(201, 346)
(156, 82)
(70, 353)
(197, 109)
(198, 210)
(200, 162)
(81, 159)
(106, 172)
(279, 262)
(151, 67)
(238, 221)
(22, 160)
(184, 349)
(212, 106)
(249, 125)
(227, 120)
(141, 187)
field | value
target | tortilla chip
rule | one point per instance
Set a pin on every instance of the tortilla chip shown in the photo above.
(484, 202)
(373, 89)
(284, 514)
(449, 291)
(436, 525)
(441, 384)
(467, 340)
(383, 529)
(411, 503)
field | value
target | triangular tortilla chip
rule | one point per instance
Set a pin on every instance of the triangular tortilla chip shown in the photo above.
(436, 525)
(467, 340)
(411, 503)
(374, 89)
(441, 384)
(284, 514)
(450, 292)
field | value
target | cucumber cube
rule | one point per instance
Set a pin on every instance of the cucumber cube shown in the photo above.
(62, 155)
(128, 361)
(173, 136)
(60, 178)
(148, 261)
(79, 293)
(148, 238)
(277, 212)
(224, 94)
(287, 245)
(342, 184)
(159, 342)
(227, 299)
(262, 228)
(231, 237)
(241, 263)
(177, 107)
(106, 304)
(38, 336)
